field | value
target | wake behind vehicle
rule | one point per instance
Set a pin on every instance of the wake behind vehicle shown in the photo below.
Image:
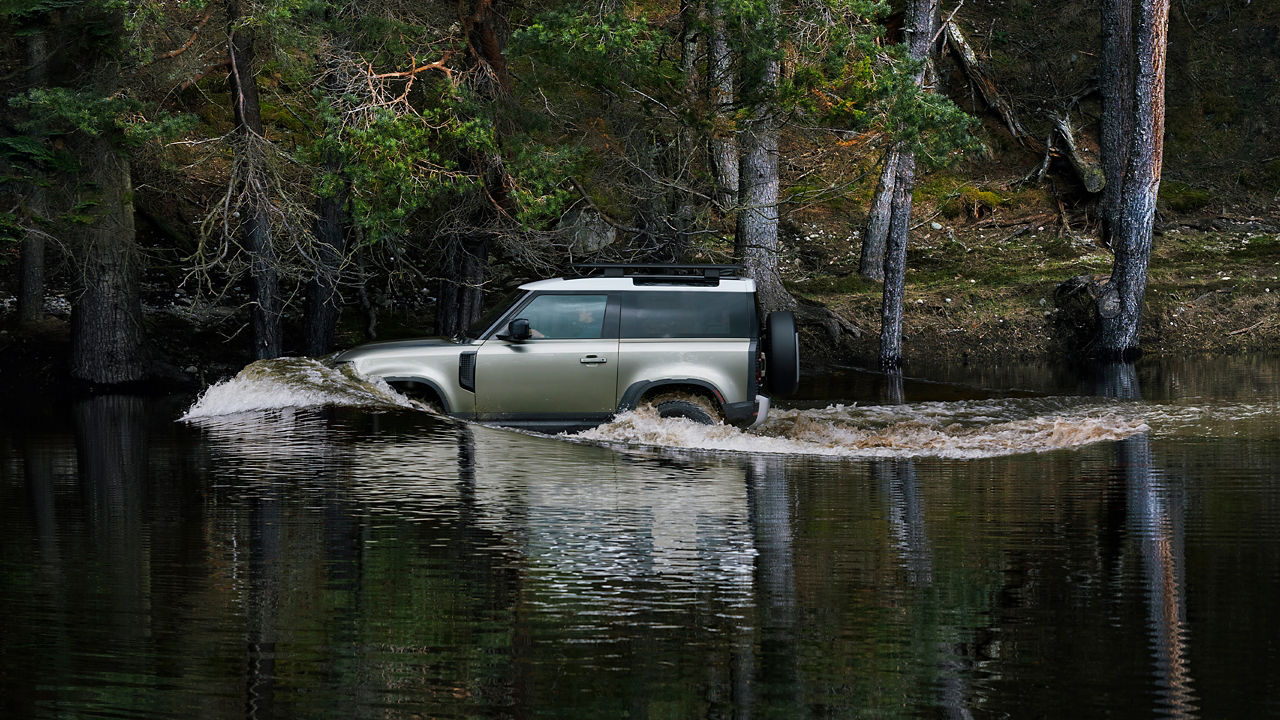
(573, 352)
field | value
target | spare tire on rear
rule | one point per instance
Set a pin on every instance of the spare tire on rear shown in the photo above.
(781, 353)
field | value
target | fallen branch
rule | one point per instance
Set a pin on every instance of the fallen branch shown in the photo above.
(440, 65)
(987, 88)
(1085, 161)
(1251, 327)
(195, 32)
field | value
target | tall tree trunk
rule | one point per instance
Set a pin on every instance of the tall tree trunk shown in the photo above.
(1120, 307)
(892, 301)
(723, 146)
(461, 294)
(756, 238)
(466, 259)
(1117, 86)
(922, 20)
(107, 345)
(31, 281)
(323, 305)
(255, 228)
(871, 259)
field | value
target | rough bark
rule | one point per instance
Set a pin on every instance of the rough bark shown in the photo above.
(756, 232)
(871, 259)
(1117, 87)
(1083, 159)
(31, 282)
(324, 306)
(107, 340)
(255, 228)
(485, 38)
(461, 294)
(1120, 308)
(922, 16)
(720, 91)
(895, 263)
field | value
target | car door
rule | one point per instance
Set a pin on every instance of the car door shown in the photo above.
(567, 370)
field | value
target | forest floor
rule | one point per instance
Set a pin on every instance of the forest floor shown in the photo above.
(983, 290)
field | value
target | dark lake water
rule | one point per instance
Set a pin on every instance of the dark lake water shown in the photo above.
(1017, 542)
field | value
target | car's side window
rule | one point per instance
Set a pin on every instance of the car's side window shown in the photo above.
(687, 315)
(561, 317)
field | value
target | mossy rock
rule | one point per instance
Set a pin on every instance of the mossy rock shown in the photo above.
(1183, 198)
(970, 201)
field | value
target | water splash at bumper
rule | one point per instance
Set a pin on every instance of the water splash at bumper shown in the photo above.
(293, 383)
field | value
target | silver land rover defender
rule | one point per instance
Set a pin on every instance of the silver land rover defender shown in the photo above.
(572, 352)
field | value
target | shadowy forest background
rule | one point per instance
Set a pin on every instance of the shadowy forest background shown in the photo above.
(185, 186)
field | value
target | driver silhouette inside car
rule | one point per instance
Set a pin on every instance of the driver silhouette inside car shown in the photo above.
(584, 326)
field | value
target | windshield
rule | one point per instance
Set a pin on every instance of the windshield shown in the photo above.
(494, 310)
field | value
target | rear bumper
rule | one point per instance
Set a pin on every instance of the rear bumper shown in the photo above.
(749, 414)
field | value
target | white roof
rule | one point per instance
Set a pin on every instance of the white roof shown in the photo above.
(607, 284)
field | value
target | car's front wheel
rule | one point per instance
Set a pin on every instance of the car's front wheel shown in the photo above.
(684, 405)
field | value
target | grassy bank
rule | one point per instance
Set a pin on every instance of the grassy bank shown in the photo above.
(985, 289)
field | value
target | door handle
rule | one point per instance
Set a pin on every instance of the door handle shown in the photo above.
(593, 360)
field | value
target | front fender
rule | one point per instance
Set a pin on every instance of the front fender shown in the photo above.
(435, 367)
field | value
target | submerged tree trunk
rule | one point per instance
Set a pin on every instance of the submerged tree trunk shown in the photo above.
(31, 281)
(723, 146)
(895, 262)
(255, 225)
(461, 293)
(107, 345)
(1117, 87)
(323, 303)
(1120, 307)
(871, 260)
(922, 18)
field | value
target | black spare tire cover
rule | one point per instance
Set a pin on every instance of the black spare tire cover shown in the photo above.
(782, 353)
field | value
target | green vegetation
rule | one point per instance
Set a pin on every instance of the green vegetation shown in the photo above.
(451, 142)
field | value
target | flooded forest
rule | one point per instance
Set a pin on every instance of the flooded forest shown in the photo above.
(1032, 249)
(197, 185)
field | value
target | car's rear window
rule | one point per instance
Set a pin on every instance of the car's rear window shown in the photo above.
(678, 314)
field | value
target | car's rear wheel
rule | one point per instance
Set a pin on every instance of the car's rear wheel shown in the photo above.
(781, 353)
(697, 408)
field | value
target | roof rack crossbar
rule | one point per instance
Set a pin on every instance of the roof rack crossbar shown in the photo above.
(662, 269)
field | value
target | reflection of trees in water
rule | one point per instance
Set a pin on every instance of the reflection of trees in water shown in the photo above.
(112, 453)
(1155, 518)
(769, 511)
(899, 487)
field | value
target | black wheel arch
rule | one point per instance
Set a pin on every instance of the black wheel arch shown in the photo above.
(638, 391)
(406, 386)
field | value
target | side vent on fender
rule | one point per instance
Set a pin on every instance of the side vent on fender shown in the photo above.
(467, 371)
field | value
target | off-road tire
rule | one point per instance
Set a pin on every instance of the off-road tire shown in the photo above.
(686, 405)
(781, 354)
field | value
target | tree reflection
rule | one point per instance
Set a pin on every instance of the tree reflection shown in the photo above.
(898, 485)
(111, 453)
(1155, 517)
(769, 508)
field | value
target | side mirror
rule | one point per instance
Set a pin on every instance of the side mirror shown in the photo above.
(518, 330)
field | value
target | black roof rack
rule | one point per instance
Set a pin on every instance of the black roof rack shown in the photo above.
(661, 271)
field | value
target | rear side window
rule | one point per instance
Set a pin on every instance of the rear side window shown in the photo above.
(687, 315)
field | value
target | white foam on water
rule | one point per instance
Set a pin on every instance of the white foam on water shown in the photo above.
(293, 383)
(947, 430)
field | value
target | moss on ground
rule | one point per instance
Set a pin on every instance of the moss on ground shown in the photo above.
(986, 292)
